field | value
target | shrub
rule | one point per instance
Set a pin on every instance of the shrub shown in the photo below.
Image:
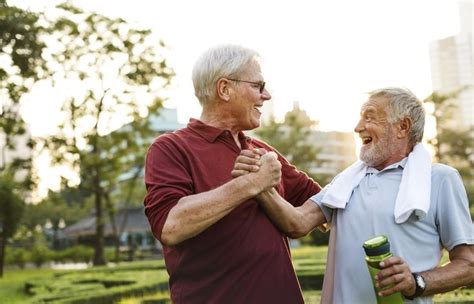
(40, 254)
(19, 257)
(100, 284)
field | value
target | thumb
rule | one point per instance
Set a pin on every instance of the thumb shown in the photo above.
(272, 155)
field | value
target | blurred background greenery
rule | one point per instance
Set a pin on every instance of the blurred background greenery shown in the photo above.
(119, 76)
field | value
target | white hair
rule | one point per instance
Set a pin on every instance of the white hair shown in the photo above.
(403, 103)
(222, 61)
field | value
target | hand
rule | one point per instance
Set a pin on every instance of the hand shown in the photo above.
(269, 174)
(396, 274)
(248, 161)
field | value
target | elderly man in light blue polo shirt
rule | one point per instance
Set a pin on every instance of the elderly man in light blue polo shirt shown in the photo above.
(393, 190)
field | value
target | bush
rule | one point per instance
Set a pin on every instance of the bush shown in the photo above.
(75, 254)
(100, 284)
(81, 253)
(40, 254)
(20, 257)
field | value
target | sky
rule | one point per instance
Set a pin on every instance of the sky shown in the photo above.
(324, 54)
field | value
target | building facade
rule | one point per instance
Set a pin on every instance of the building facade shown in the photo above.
(452, 67)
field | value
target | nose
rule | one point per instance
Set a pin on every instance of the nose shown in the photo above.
(266, 95)
(360, 126)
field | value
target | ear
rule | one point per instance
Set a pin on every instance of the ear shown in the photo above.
(223, 89)
(404, 127)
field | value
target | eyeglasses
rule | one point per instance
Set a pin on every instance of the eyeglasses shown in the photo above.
(261, 84)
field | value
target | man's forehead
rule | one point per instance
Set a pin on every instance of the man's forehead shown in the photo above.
(374, 104)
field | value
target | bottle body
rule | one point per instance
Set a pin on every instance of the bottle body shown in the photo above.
(377, 250)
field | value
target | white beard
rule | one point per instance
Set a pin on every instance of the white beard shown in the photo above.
(375, 154)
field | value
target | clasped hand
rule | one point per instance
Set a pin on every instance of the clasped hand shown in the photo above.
(264, 167)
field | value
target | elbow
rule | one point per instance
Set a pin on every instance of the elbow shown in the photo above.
(168, 239)
(170, 235)
(297, 230)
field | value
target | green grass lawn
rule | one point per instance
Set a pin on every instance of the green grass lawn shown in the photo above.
(309, 263)
(12, 284)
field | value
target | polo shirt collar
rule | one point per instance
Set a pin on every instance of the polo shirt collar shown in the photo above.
(400, 164)
(208, 132)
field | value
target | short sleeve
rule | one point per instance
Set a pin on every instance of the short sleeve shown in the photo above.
(327, 212)
(167, 180)
(453, 216)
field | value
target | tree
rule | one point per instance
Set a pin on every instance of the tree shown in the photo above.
(21, 64)
(54, 210)
(11, 210)
(292, 138)
(118, 75)
(453, 146)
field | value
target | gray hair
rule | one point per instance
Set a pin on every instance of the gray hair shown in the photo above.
(222, 61)
(403, 103)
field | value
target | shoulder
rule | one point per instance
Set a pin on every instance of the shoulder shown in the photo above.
(261, 144)
(171, 137)
(170, 142)
(441, 172)
(446, 179)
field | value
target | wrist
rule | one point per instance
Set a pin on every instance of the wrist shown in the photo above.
(266, 194)
(420, 286)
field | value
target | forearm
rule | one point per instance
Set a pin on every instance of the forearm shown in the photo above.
(195, 213)
(294, 222)
(457, 273)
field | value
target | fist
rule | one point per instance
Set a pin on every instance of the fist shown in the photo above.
(248, 161)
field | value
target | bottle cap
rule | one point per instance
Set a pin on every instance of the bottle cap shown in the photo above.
(377, 246)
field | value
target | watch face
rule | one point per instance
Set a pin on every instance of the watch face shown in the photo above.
(420, 282)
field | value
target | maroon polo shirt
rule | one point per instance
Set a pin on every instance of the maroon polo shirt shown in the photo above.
(242, 258)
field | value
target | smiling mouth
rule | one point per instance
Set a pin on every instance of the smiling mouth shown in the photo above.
(258, 110)
(366, 140)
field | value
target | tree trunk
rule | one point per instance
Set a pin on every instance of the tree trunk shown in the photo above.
(99, 258)
(111, 213)
(2, 255)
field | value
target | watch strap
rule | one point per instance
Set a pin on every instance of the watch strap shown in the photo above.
(419, 288)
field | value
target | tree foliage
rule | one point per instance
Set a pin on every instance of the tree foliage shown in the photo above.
(53, 212)
(11, 211)
(292, 139)
(454, 146)
(21, 64)
(117, 73)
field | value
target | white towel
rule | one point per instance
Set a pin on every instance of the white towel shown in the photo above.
(413, 193)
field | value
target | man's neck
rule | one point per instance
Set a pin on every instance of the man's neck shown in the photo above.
(221, 121)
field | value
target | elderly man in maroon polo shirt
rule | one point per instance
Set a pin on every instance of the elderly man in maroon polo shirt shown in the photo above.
(218, 244)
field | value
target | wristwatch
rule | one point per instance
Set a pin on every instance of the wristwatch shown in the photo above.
(420, 286)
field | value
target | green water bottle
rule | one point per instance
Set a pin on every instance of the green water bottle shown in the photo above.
(377, 249)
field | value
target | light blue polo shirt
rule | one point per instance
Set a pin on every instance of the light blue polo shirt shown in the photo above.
(370, 212)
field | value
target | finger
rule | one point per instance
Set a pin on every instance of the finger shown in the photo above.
(237, 173)
(269, 157)
(259, 151)
(243, 159)
(246, 167)
(391, 290)
(386, 272)
(391, 280)
(391, 261)
(250, 153)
